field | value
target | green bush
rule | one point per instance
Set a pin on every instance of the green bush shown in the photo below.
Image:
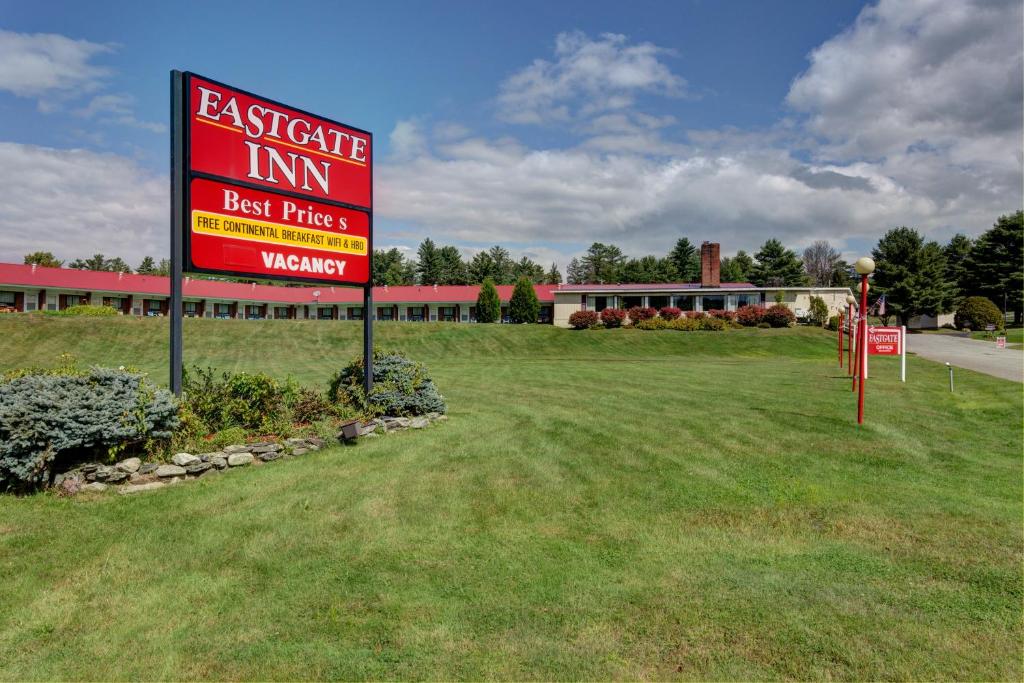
(488, 305)
(976, 312)
(50, 419)
(819, 311)
(308, 405)
(711, 324)
(234, 400)
(652, 324)
(85, 310)
(833, 323)
(685, 324)
(764, 326)
(401, 387)
(523, 306)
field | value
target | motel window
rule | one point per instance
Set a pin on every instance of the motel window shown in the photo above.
(113, 302)
(472, 314)
(545, 314)
(658, 302)
(389, 314)
(355, 314)
(253, 312)
(631, 301)
(415, 314)
(8, 298)
(280, 311)
(748, 299)
(51, 302)
(600, 303)
(192, 309)
(324, 313)
(154, 307)
(222, 310)
(684, 303)
(446, 313)
(715, 302)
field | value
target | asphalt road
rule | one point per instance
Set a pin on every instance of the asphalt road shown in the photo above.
(973, 354)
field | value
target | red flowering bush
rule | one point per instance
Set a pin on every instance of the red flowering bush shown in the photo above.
(638, 313)
(613, 317)
(722, 314)
(694, 315)
(779, 315)
(670, 313)
(749, 315)
(582, 320)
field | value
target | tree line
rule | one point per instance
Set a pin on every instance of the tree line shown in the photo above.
(915, 275)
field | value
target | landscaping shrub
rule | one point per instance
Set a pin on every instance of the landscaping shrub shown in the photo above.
(640, 313)
(975, 312)
(694, 315)
(712, 324)
(613, 317)
(779, 315)
(722, 314)
(749, 315)
(819, 311)
(764, 326)
(251, 401)
(401, 387)
(488, 305)
(85, 310)
(523, 306)
(684, 324)
(670, 313)
(652, 324)
(583, 320)
(308, 405)
(833, 323)
(49, 419)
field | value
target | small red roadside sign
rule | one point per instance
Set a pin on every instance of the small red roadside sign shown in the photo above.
(1001, 342)
(885, 341)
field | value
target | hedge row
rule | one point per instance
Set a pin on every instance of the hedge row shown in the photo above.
(647, 318)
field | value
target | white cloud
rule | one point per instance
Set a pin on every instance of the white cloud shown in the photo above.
(117, 108)
(912, 116)
(588, 77)
(76, 203)
(41, 64)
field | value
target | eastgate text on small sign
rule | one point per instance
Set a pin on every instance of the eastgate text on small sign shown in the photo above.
(273, 192)
(885, 341)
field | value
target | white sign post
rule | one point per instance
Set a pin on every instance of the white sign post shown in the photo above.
(903, 353)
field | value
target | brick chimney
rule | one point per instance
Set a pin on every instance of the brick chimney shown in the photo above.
(710, 265)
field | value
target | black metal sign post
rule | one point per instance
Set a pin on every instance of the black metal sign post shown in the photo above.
(368, 338)
(177, 224)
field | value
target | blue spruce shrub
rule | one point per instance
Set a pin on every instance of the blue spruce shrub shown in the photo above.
(46, 416)
(401, 387)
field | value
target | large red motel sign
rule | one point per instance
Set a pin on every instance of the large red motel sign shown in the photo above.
(263, 190)
(272, 191)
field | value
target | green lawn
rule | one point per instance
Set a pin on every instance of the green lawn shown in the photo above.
(601, 504)
(1014, 335)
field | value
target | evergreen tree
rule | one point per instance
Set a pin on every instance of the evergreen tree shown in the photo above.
(428, 268)
(481, 267)
(488, 304)
(777, 266)
(147, 267)
(553, 277)
(502, 264)
(45, 259)
(392, 268)
(453, 269)
(523, 306)
(911, 274)
(648, 269)
(576, 274)
(957, 251)
(994, 267)
(685, 257)
(101, 263)
(601, 263)
(527, 268)
(118, 265)
(739, 268)
(164, 268)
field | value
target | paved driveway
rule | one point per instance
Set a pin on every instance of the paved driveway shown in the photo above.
(972, 354)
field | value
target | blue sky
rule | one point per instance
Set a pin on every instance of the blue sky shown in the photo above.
(540, 126)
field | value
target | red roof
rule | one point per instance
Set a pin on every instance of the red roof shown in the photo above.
(636, 286)
(97, 281)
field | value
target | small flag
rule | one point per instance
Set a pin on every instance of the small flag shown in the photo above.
(881, 305)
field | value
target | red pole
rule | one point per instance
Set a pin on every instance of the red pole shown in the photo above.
(839, 327)
(856, 355)
(863, 366)
(849, 332)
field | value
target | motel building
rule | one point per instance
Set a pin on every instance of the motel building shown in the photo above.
(32, 288)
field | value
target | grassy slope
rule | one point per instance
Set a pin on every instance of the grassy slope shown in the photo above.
(601, 504)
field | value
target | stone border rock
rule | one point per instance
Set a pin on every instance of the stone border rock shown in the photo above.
(388, 423)
(131, 475)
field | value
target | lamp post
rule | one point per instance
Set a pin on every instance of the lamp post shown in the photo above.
(864, 266)
(851, 303)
